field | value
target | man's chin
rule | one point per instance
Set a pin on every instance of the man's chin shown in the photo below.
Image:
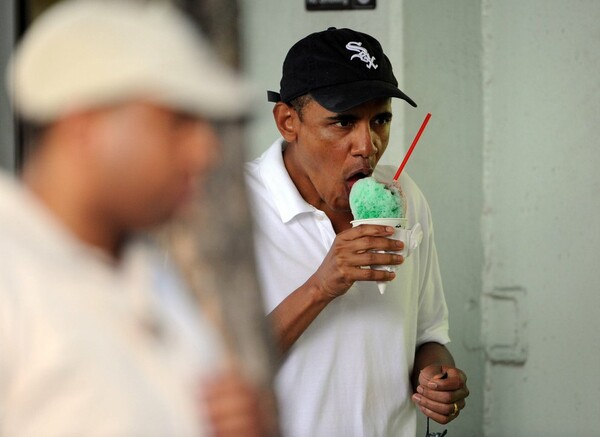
(341, 207)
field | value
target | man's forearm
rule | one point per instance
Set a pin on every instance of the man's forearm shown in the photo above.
(295, 314)
(427, 354)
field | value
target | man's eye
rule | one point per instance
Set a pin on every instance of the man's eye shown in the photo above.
(343, 123)
(382, 120)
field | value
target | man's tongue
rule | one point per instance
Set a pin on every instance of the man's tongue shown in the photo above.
(353, 179)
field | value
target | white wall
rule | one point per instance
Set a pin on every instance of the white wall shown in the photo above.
(442, 47)
(542, 200)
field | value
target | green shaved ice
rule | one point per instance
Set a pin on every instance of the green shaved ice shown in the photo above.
(372, 199)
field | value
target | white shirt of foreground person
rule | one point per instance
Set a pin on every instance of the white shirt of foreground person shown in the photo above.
(89, 347)
(349, 373)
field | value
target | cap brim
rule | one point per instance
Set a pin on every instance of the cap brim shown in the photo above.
(85, 55)
(212, 92)
(340, 98)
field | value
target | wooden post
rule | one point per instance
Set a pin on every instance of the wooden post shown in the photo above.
(213, 243)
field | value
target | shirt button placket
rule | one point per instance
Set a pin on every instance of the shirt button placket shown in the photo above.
(325, 229)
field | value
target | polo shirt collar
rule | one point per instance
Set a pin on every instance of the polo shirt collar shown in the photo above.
(287, 198)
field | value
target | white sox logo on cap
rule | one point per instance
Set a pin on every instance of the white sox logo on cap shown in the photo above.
(362, 54)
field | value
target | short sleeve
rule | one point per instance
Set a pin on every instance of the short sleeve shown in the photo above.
(432, 325)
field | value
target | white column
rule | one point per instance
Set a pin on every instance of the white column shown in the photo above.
(7, 30)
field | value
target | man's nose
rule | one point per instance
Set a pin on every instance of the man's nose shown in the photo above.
(364, 141)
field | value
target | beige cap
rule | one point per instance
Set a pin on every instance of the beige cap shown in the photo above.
(89, 53)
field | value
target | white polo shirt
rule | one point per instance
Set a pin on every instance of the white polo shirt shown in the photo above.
(349, 373)
(89, 348)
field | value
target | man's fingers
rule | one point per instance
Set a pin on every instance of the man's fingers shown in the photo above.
(377, 259)
(445, 394)
(376, 242)
(223, 404)
(439, 418)
(237, 426)
(371, 237)
(233, 406)
(455, 379)
(367, 230)
(441, 412)
(373, 275)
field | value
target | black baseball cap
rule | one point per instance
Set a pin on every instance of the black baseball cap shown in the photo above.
(340, 68)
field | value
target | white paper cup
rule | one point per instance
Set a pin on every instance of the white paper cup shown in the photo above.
(410, 237)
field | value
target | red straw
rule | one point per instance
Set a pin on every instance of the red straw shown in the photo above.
(412, 146)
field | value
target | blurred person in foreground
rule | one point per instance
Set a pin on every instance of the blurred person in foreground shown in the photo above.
(354, 359)
(97, 333)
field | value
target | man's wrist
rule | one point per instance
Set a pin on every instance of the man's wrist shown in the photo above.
(318, 296)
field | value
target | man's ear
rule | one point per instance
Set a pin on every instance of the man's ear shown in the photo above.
(286, 120)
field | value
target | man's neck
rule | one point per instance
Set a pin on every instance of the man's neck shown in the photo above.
(340, 220)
